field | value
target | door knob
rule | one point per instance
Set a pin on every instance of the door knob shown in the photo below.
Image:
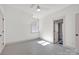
(76, 34)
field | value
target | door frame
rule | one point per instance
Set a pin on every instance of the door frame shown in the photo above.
(57, 21)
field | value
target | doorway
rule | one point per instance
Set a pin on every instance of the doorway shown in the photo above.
(58, 34)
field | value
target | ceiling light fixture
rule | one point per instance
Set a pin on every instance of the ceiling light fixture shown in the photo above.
(38, 8)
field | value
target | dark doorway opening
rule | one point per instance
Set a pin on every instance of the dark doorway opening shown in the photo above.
(58, 34)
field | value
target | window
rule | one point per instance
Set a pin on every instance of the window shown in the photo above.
(35, 26)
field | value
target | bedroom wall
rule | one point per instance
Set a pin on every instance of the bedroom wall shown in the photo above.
(68, 14)
(18, 25)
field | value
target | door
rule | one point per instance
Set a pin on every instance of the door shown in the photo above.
(56, 32)
(1, 33)
(77, 30)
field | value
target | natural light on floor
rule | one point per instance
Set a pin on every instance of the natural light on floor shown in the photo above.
(43, 43)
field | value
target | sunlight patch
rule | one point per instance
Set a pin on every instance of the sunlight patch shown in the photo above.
(43, 43)
(40, 42)
(46, 43)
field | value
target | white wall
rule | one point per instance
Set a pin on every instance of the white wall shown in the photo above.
(18, 25)
(1, 29)
(68, 27)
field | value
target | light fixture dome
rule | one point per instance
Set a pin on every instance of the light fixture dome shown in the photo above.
(38, 8)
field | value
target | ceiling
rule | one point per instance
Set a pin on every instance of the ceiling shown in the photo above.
(45, 8)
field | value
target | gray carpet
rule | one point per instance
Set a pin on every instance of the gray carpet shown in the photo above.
(33, 48)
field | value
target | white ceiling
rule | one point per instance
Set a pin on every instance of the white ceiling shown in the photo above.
(45, 8)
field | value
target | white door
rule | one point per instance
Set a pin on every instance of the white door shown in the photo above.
(77, 31)
(56, 32)
(1, 33)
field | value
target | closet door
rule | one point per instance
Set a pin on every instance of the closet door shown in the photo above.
(1, 33)
(77, 30)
